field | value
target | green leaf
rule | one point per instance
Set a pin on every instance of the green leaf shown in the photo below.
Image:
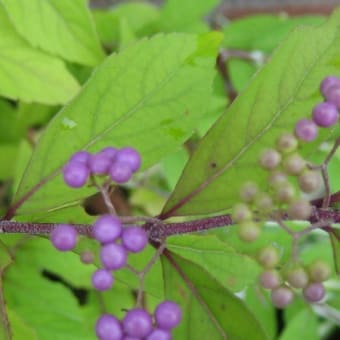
(233, 270)
(335, 241)
(152, 91)
(8, 157)
(60, 27)
(20, 330)
(29, 74)
(208, 307)
(283, 92)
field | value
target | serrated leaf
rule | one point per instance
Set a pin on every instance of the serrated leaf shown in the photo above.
(61, 27)
(152, 91)
(233, 270)
(208, 308)
(283, 92)
(29, 74)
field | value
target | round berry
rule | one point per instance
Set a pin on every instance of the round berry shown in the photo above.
(100, 163)
(294, 164)
(159, 334)
(248, 231)
(81, 157)
(102, 279)
(113, 256)
(264, 203)
(306, 130)
(314, 292)
(286, 143)
(282, 296)
(64, 237)
(332, 95)
(270, 159)
(325, 114)
(107, 228)
(270, 279)
(129, 156)
(108, 328)
(137, 322)
(248, 192)
(241, 213)
(268, 257)
(284, 194)
(134, 239)
(120, 172)
(297, 277)
(327, 83)
(109, 151)
(300, 209)
(168, 315)
(309, 181)
(277, 179)
(87, 257)
(75, 174)
(319, 271)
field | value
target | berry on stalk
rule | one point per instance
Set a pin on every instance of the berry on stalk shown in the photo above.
(137, 322)
(270, 279)
(75, 174)
(120, 172)
(282, 296)
(268, 257)
(107, 228)
(134, 239)
(325, 114)
(130, 157)
(241, 213)
(300, 209)
(64, 237)
(286, 143)
(102, 279)
(168, 315)
(270, 159)
(314, 292)
(108, 328)
(113, 256)
(248, 231)
(99, 163)
(297, 277)
(332, 95)
(248, 192)
(319, 271)
(328, 82)
(294, 164)
(306, 130)
(81, 157)
(159, 334)
(309, 181)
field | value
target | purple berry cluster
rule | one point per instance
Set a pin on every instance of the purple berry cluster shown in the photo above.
(324, 114)
(116, 242)
(118, 164)
(139, 324)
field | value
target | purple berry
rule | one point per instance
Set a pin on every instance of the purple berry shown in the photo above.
(109, 152)
(332, 95)
(159, 334)
(64, 237)
(129, 156)
(306, 130)
(314, 292)
(108, 328)
(270, 279)
(100, 163)
(113, 256)
(137, 322)
(75, 174)
(120, 172)
(107, 228)
(168, 315)
(102, 279)
(134, 239)
(327, 83)
(325, 114)
(282, 296)
(81, 157)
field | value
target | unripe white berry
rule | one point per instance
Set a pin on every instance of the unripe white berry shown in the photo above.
(268, 257)
(248, 192)
(300, 209)
(319, 271)
(241, 213)
(270, 279)
(286, 143)
(294, 164)
(248, 231)
(270, 159)
(309, 181)
(282, 296)
(297, 277)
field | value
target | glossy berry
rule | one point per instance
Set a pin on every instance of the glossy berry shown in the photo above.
(300, 209)
(241, 213)
(248, 192)
(107, 228)
(75, 174)
(319, 271)
(113, 256)
(327, 83)
(134, 239)
(270, 159)
(129, 156)
(137, 322)
(268, 257)
(120, 172)
(309, 181)
(314, 292)
(270, 279)
(64, 237)
(81, 157)
(100, 163)
(159, 334)
(332, 95)
(286, 143)
(297, 277)
(325, 114)
(282, 296)
(248, 231)
(102, 279)
(306, 130)
(294, 164)
(108, 328)
(168, 315)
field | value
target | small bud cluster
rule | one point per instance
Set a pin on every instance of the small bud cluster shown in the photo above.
(118, 164)
(116, 243)
(324, 114)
